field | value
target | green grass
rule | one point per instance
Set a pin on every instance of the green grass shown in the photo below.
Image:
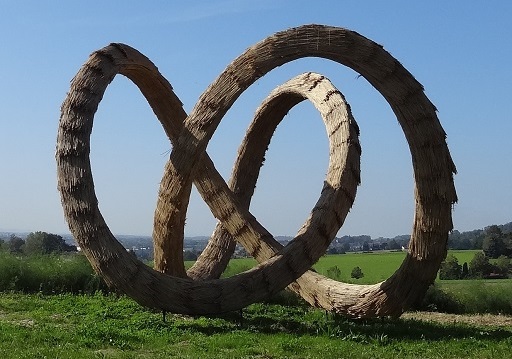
(464, 255)
(479, 295)
(66, 326)
(376, 266)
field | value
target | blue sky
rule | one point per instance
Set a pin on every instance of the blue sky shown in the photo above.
(459, 51)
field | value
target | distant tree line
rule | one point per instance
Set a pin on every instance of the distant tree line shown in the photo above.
(475, 239)
(495, 240)
(365, 243)
(479, 267)
(36, 243)
(496, 245)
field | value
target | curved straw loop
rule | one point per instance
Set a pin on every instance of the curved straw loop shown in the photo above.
(432, 163)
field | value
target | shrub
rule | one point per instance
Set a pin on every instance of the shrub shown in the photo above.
(479, 266)
(334, 273)
(287, 298)
(9, 271)
(450, 268)
(437, 300)
(503, 265)
(357, 273)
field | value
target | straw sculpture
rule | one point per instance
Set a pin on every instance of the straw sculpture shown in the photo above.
(199, 290)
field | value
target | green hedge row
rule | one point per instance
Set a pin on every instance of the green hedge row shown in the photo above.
(66, 273)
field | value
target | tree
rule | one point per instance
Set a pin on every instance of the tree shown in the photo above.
(15, 244)
(465, 270)
(335, 250)
(493, 245)
(457, 241)
(45, 243)
(477, 243)
(189, 255)
(366, 247)
(479, 266)
(33, 243)
(507, 239)
(357, 273)
(393, 245)
(464, 244)
(450, 268)
(503, 265)
(493, 230)
(345, 247)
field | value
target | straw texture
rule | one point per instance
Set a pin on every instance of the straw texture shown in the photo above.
(170, 287)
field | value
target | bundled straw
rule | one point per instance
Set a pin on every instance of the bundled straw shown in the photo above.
(199, 291)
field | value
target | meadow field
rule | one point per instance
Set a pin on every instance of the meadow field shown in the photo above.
(41, 318)
(376, 266)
